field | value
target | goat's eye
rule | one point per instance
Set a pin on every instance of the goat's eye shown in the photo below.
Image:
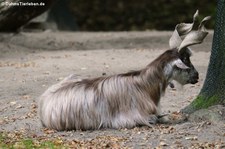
(185, 60)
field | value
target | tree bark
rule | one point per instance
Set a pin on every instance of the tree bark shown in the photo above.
(213, 90)
(16, 13)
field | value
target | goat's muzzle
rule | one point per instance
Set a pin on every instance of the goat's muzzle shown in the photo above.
(194, 78)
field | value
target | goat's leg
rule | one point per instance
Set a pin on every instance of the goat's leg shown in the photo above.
(162, 118)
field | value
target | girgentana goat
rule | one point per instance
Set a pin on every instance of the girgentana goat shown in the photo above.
(123, 100)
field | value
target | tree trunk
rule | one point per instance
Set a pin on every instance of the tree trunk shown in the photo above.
(16, 13)
(213, 90)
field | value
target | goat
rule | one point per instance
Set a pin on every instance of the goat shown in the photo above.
(123, 100)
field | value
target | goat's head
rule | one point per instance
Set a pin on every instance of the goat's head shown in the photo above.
(183, 71)
(183, 36)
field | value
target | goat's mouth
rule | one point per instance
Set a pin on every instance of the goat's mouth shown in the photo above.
(193, 81)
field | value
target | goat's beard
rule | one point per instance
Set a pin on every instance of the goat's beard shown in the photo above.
(171, 85)
(175, 84)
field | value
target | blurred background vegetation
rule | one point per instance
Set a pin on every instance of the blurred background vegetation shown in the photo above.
(104, 15)
(129, 15)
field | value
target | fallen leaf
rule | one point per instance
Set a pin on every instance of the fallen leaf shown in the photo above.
(26, 97)
(191, 138)
(162, 143)
(19, 106)
(13, 102)
(83, 68)
(48, 131)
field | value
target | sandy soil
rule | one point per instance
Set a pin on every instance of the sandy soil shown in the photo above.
(31, 62)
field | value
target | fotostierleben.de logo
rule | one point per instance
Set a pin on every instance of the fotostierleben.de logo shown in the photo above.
(6, 3)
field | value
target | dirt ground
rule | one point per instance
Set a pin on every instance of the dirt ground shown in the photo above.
(31, 62)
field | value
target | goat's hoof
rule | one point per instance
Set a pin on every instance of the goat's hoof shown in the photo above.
(164, 119)
(153, 119)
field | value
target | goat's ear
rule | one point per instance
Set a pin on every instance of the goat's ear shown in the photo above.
(180, 64)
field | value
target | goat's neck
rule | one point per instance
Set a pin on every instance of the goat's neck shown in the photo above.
(157, 81)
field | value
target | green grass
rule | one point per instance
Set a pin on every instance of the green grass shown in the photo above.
(21, 140)
(28, 143)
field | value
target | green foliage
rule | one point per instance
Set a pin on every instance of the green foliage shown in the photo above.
(101, 15)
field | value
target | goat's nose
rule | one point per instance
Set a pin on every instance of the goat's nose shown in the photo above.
(196, 75)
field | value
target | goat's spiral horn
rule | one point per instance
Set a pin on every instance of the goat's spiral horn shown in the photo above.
(190, 37)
